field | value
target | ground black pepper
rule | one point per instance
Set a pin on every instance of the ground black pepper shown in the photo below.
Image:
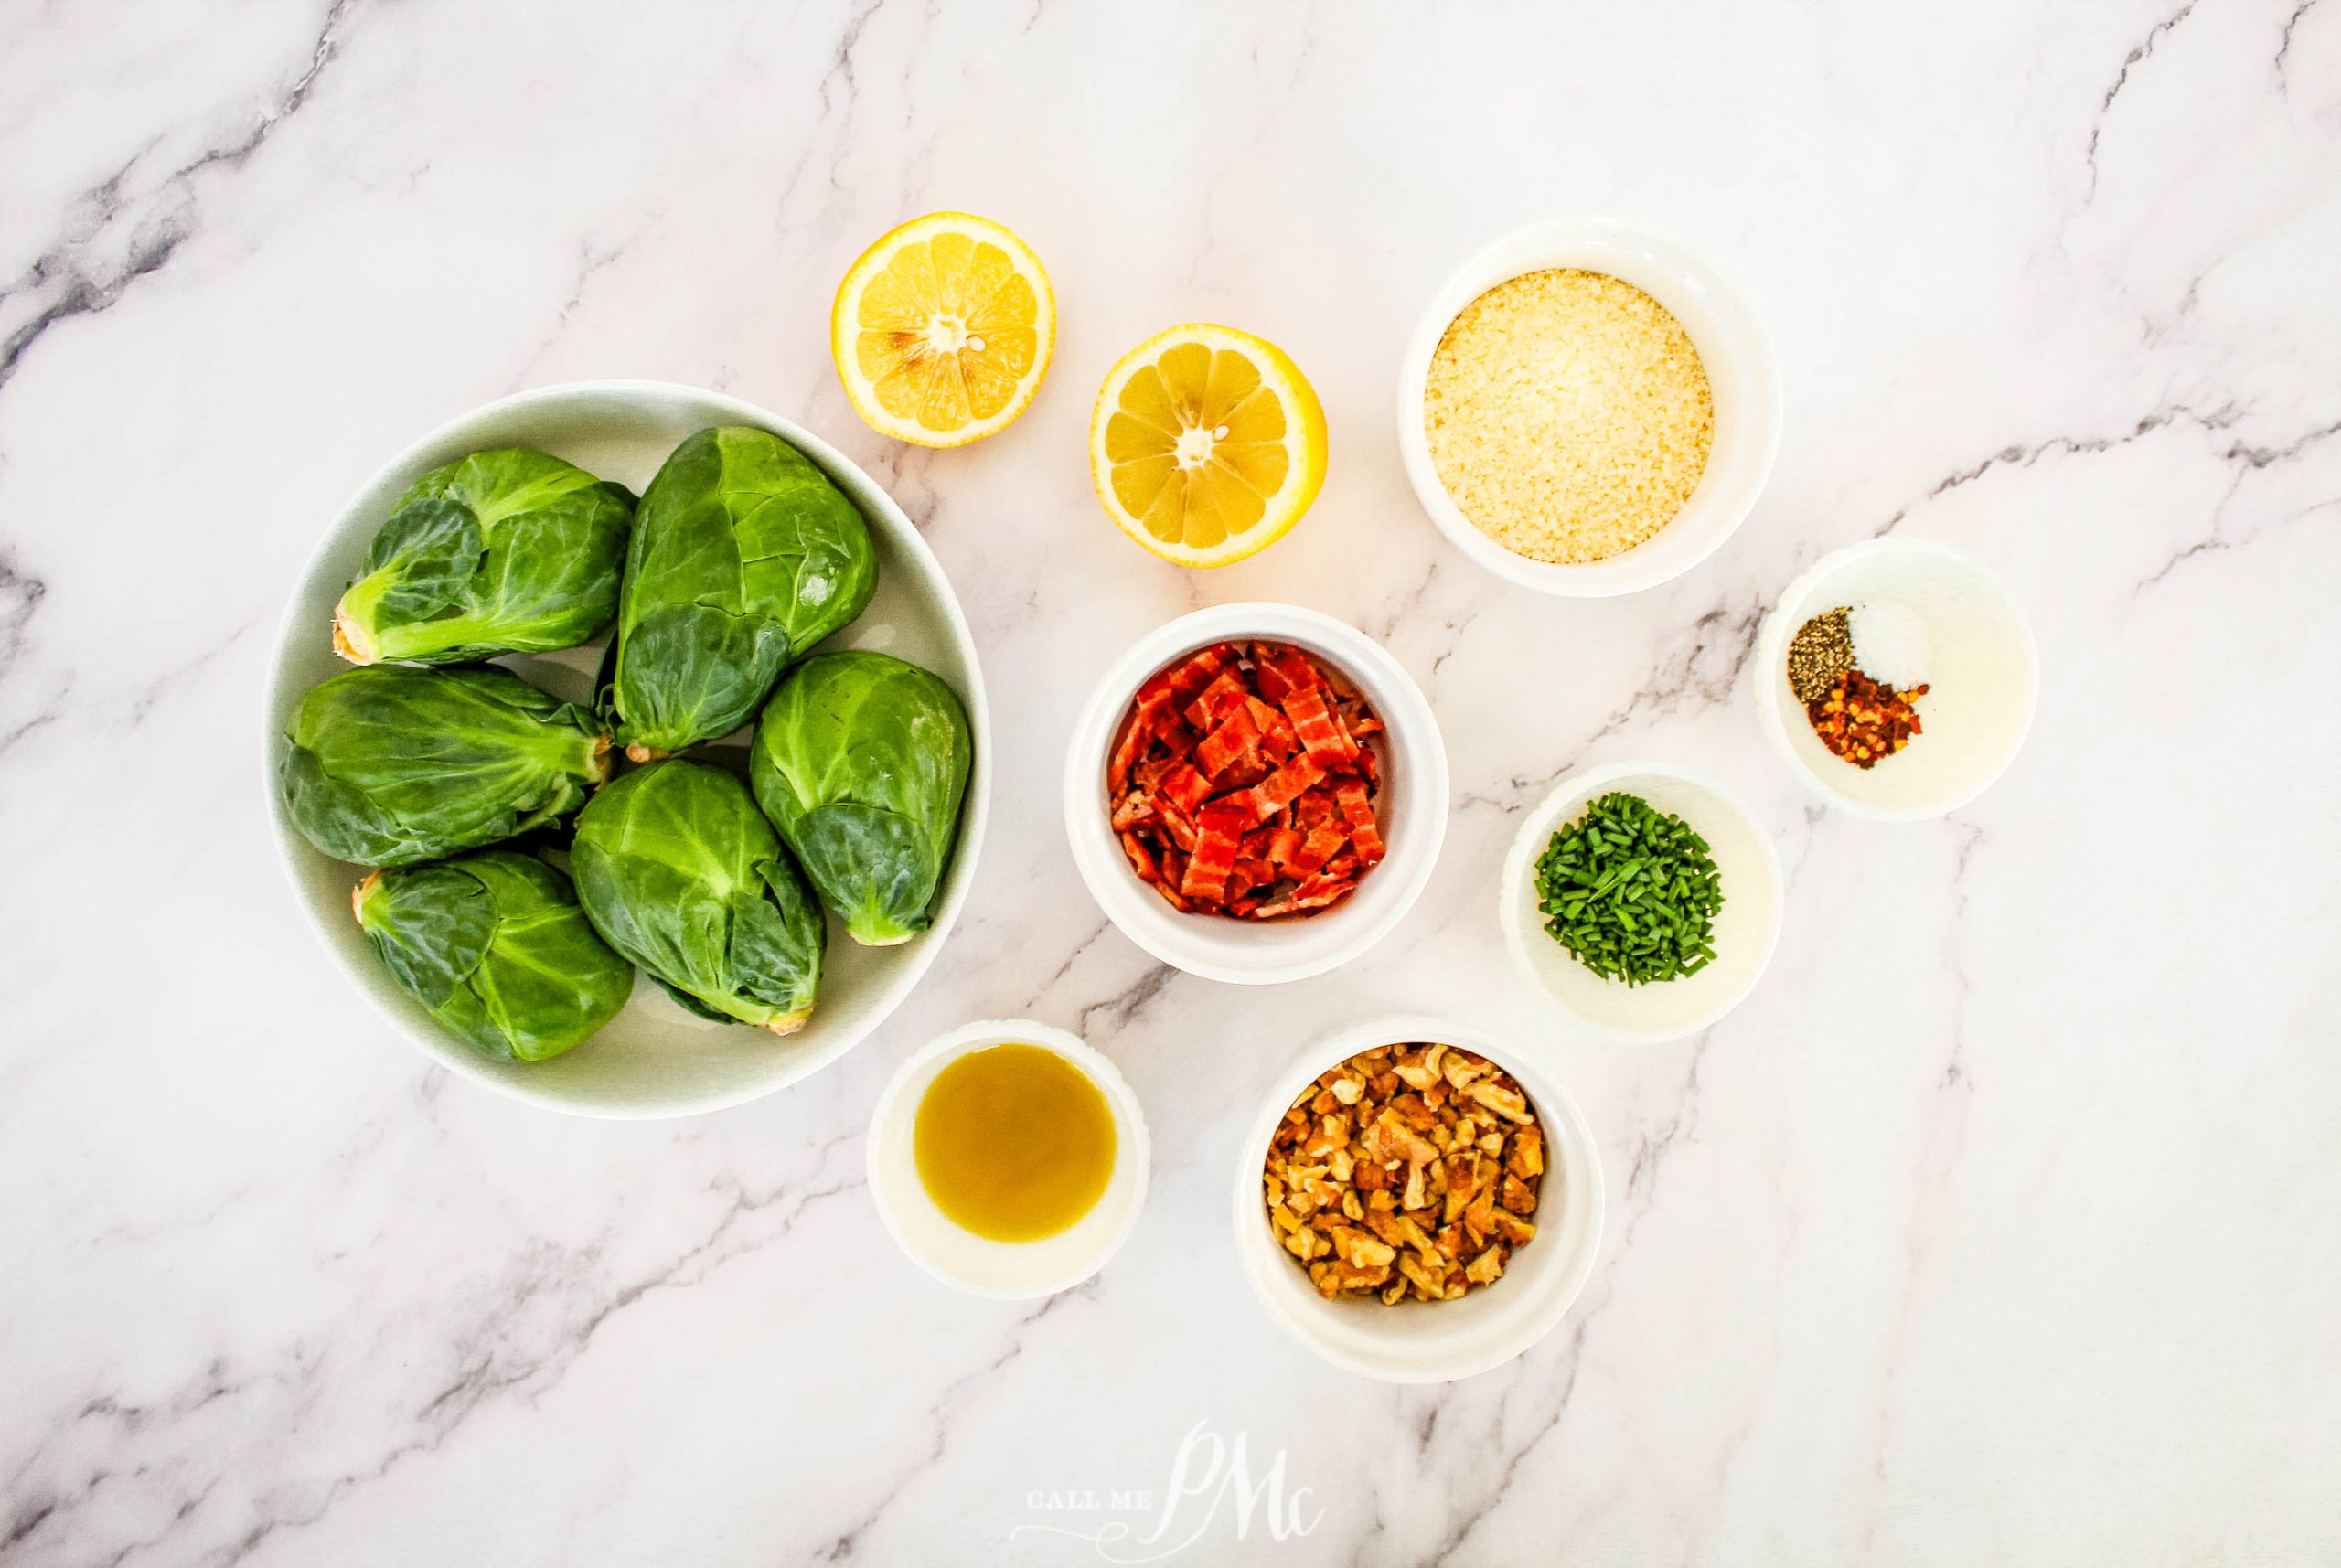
(1822, 650)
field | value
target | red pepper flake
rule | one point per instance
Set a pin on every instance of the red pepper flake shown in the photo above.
(1242, 784)
(1863, 720)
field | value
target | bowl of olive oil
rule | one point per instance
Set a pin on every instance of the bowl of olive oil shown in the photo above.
(1009, 1159)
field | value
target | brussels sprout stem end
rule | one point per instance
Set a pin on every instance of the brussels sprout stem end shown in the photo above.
(349, 639)
(641, 754)
(789, 1023)
(357, 894)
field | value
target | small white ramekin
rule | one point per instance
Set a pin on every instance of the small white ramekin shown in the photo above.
(1982, 678)
(1432, 1341)
(1007, 1270)
(1747, 928)
(1412, 806)
(1741, 372)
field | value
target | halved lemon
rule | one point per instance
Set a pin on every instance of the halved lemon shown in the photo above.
(1207, 444)
(942, 330)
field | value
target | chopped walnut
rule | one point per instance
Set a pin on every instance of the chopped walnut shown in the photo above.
(1501, 1098)
(1409, 1171)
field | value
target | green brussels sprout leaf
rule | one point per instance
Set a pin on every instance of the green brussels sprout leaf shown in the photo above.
(495, 947)
(744, 556)
(861, 762)
(680, 873)
(507, 551)
(389, 765)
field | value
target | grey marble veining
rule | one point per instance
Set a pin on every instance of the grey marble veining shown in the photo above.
(1996, 1226)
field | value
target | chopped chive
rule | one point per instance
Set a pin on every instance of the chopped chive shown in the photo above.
(1630, 893)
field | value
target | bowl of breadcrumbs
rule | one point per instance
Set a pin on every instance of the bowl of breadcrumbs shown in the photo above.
(1588, 409)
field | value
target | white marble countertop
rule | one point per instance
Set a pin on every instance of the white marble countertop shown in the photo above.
(1998, 1225)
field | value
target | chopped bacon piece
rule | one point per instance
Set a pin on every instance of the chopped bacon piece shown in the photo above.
(1135, 733)
(1177, 825)
(1357, 808)
(1231, 742)
(1283, 671)
(1196, 673)
(1283, 845)
(1343, 865)
(1217, 833)
(1223, 693)
(1245, 775)
(1277, 739)
(1252, 868)
(1322, 845)
(1313, 809)
(1140, 861)
(1239, 784)
(1304, 899)
(1285, 786)
(1185, 788)
(1318, 730)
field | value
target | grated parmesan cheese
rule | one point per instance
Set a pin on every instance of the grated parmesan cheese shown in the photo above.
(1568, 415)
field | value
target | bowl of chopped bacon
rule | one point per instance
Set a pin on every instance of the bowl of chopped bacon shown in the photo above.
(1255, 793)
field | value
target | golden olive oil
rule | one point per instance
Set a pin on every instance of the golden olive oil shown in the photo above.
(1014, 1141)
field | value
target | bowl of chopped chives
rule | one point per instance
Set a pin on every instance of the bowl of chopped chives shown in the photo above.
(1642, 899)
(1588, 409)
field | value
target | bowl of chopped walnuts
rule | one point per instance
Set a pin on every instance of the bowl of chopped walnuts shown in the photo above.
(1417, 1202)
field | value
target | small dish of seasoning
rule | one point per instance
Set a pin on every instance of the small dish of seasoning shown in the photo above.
(1642, 900)
(1009, 1159)
(1898, 677)
(1588, 409)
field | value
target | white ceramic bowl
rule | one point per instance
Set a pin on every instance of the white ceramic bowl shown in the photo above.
(1746, 928)
(1412, 806)
(654, 1058)
(1432, 1341)
(976, 1264)
(1982, 678)
(1740, 371)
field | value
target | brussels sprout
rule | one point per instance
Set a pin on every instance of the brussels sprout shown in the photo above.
(495, 947)
(389, 765)
(511, 551)
(679, 872)
(861, 761)
(744, 556)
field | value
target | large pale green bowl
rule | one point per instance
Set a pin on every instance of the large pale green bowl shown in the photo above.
(653, 1059)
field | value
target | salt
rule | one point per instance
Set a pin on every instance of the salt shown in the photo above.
(1891, 644)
